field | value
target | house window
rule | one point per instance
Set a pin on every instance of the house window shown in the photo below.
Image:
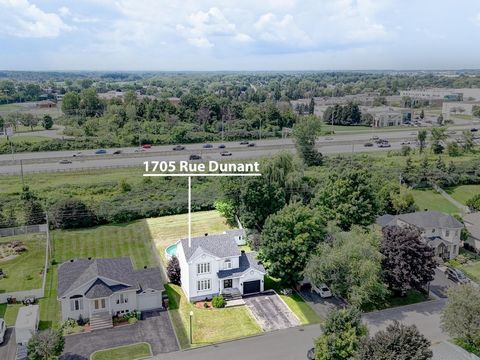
(122, 299)
(76, 304)
(447, 233)
(203, 285)
(203, 268)
(228, 264)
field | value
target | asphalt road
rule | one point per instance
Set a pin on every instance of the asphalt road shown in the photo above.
(293, 343)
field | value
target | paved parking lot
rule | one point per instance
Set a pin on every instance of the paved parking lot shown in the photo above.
(321, 306)
(271, 312)
(8, 348)
(155, 328)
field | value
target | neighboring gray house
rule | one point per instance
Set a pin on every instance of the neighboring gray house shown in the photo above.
(472, 224)
(440, 231)
(98, 289)
(213, 264)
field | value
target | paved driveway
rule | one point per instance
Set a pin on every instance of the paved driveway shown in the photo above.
(270, 311)
(8, 348)
(155, 328)
(440, 284)
(321, 306)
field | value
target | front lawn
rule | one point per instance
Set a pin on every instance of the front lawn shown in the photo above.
(23, 269)
(412, 297)
(431, 200)
(295, 302)
(127, 352)
(9, 313)
(209, 325)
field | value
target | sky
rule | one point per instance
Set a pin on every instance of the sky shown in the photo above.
(239, 34)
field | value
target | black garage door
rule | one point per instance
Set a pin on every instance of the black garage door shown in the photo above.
(251, 287)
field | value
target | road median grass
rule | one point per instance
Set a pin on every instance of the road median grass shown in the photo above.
(128, 352)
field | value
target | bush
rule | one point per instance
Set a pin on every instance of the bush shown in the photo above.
(173, 270)
(132, 320)
(218, 301)
(474, 202)
(73, 213)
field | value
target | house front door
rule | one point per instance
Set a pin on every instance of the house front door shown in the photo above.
(99, 304)
(227, 283)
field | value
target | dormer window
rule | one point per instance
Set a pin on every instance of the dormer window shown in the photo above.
(228, 264)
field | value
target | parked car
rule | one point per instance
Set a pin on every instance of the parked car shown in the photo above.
(311, 354)
(3, 330)
(251, 145)
(117, 152)
(178, 147)
(323, 291)
(456, 276)
(146, 146)
(244, 142)
(221, 146)
(194, 157)
(64, 161)
(473, 129)
(101, 151)
(207, 146)
(368, 144)
(22, 352)
(226, 153)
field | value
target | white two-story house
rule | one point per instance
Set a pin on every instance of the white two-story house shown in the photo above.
(440, 231)
(98, 289)
(213, 264)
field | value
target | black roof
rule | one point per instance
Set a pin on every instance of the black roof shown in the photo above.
(247, 262)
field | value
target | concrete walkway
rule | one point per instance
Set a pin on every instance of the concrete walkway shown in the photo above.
(464, 209)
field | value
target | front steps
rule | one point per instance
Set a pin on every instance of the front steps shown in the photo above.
(100, 321)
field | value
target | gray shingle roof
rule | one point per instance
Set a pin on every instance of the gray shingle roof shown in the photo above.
(236, 232)
(221, 246)
(472, 223)
(73, 274)
(422, 219)
(247, 262)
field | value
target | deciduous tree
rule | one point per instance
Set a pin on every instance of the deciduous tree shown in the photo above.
(305, 132)
(46, 345)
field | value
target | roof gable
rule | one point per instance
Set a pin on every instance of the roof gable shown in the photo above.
(221, 246)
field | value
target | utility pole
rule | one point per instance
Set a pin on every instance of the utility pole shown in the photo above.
(21, 173)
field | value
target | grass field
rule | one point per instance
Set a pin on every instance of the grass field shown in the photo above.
(431, 200)
(128, 352)
(24, 272)
(24, 139)
(9, 107)
(168, 229)
(209, 325)
(464, 192)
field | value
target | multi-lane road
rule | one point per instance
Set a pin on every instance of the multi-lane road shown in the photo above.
(87, 159)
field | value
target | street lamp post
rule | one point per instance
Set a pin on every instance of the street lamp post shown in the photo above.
(191, 332)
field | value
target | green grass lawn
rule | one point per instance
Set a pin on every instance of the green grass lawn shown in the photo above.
(9, 313)
(23, 139)
(167, 230)
(295, 302)
(128, 352)
(24, 272)
(464, 192)
(412, 297)
(431, 200)
(209, 325)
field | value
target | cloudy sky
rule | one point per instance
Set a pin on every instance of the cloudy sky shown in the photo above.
(239, 35)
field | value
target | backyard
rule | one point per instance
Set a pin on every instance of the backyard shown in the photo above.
(431, 200)
(464, 192)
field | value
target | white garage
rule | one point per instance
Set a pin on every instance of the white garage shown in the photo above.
(149, 300)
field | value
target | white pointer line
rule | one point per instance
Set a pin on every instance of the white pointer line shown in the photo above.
(213, 174)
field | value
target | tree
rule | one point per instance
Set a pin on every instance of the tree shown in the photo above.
(34, 213)
(440, 120)
(453, 149)
(341, 336)
(348, 199)
(422, 114)
(305, 132)
(173, 270)
(288, 239)
(438, 136)
(46, 345)
(474, 202)
(73, 213)
(422, 138)
(396, 342)
(396, 199)
(47, 122)
(468, 141)
(90, 103)
(350, 263)
(226, 209)
(2, 123)
(70, 103)
(408, 262)
(311, 106)
(461, 314)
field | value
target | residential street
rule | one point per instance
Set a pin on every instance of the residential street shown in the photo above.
(293, 343)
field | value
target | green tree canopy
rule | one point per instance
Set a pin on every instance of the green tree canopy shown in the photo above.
(305, 132)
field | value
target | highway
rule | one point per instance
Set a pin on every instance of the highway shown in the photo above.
(133, 156)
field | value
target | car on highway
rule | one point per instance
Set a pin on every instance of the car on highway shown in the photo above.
(194, 157)
(117, 152)
(451, 132)
(147, 146)
(473, 129)
(323, 291)
(456, 276)
(64, 161)
(405, 142)
(178, 147)
(374, 137)
(139, 150)
(226, 153)
(3, 330)
(384, 145)
(368, 144)
(100, 151)
(251, 145)
(221, 146)
(329, 138)
(244, 142)
(77, 154)
(207, 146)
